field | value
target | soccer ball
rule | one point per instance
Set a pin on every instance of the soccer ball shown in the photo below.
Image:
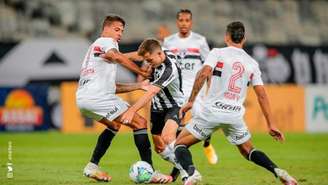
(141, 172)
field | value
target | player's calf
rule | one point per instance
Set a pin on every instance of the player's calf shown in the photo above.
(142, 143)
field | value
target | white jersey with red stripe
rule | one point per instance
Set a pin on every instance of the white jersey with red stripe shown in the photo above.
(191, 52)
(233, 70)
(97, 77)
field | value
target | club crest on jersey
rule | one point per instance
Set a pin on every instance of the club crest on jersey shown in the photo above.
(97, 51)
(218, 69)
(183, 53)
(158, 72)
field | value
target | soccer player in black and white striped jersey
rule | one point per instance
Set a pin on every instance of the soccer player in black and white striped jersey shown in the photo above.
(166, 96)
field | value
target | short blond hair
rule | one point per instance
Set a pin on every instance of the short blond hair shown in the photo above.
(148, 46)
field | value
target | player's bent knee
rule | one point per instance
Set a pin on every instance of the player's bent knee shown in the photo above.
(139, 122)
(245, 149)
(115, 126)
(110, 124)
(168, 138)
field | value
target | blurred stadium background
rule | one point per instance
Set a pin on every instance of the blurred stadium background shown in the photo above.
(43, 42)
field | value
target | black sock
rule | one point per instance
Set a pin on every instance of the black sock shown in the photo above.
(142, 142)
(175, 173)
(263, 160)
(207, 142)
(103, 143)
(184, 157)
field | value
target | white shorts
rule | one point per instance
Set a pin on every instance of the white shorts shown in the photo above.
(237, 132)
(97, 110)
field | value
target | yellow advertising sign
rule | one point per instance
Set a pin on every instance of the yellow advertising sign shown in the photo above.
(287, 106)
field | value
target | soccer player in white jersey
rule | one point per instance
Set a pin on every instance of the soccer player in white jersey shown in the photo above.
(96, 97)
(166, 96)
(191, 49)
(233, 70)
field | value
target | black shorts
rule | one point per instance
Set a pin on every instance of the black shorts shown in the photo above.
(158, 119)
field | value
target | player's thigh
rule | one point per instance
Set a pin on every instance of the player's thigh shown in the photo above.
(169, 131)
(200, 128)
(172, 123)
(157, 120)
(186, 138)
(237, 133)
(245, 148)
(110, 124)
(138, 122)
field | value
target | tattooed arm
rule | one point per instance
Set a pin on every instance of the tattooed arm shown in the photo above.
(127, 87)
(116, 56)
(200, 79)
(134, 56)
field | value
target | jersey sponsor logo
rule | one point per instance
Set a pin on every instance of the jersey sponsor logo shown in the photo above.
(187, 65)
(111, 112)
(218, 69)
(224, 106)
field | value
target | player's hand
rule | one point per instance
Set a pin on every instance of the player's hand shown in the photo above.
(147, 70)
(185, 108)
(145, 85)
(276, 134)
(127, 117)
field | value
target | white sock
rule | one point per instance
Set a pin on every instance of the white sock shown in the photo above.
(166, 153)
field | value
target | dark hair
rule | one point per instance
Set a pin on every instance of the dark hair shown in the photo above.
(236, 31)
(183, 11)
(148, 46)
(109, 19)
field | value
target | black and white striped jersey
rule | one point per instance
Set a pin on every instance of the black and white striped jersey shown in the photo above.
(168, 77)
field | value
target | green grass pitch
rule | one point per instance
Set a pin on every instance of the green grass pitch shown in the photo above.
(52, 158)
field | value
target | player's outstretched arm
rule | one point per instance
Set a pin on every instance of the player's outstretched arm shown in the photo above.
(134, 56)
(129, 114)
(263, 100)
(127, 87)
(114, 55)
(201, 77)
